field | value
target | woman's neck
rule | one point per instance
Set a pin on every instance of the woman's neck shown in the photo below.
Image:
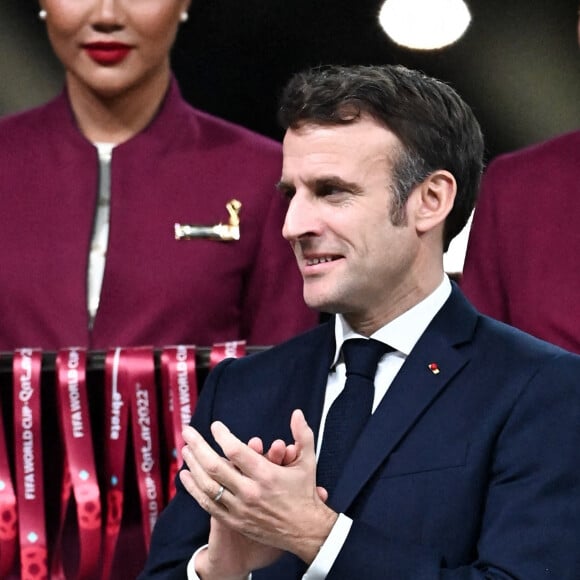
(117, 118)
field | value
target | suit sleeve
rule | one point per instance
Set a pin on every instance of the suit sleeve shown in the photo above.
(183, 526)
(530, 523)
(482, 273)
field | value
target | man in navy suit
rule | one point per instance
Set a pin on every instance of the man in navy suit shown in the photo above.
(468, 466)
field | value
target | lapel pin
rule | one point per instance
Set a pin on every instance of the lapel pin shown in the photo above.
(434, 368)
(229, 232)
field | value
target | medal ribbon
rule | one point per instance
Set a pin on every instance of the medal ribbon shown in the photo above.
(8, 514)
(139, 371)
(117, 402)
(80, 474)
(222, 350)
(26, 372)
(179, 389)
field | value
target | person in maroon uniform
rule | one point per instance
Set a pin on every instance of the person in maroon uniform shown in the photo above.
(521, 264)
(93, 183)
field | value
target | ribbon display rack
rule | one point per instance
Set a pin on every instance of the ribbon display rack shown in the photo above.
(89, 449)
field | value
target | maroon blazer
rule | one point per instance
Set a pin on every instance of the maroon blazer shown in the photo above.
(522, 264)
(184, 167)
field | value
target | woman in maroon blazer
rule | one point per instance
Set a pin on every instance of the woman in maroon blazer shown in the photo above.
(91, 187)
(121, 138)
(521, 264)
(522, 258)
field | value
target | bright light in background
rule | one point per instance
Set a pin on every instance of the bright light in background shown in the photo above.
(424, 24)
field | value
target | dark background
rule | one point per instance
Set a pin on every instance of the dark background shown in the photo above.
(518, 64)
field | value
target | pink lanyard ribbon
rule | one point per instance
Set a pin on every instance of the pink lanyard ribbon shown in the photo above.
(80, 474)
(141, 370)
(26, 369)
(117, 402)
(130, 391)
(222, 350)
(8, 514)
(179, 394)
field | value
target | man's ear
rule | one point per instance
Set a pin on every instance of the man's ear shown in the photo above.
(434, 200)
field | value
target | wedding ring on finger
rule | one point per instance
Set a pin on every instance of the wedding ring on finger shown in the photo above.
(219, 494)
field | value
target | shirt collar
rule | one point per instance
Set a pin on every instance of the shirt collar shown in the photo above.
(403, 332)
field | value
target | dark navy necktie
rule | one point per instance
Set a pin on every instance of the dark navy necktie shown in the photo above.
(351, 409)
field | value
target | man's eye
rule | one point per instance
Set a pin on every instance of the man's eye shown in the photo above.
(287, 194)
(328, 190)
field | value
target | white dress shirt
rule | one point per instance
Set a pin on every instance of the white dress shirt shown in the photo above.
(401, 334)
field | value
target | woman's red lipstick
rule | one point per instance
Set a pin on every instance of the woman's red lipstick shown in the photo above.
(107, 53)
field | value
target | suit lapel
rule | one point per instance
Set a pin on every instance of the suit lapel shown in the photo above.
(414, 388)
(308, 374)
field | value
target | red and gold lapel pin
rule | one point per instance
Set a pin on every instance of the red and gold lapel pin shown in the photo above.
(434, 368)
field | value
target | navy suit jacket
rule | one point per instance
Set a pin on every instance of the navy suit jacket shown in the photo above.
(470, 473)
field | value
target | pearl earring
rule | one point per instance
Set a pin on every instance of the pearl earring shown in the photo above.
(42, 14)
(184, 17)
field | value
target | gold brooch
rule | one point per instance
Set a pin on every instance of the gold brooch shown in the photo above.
(229, 232)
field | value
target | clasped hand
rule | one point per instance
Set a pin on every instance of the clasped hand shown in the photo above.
(270, 502)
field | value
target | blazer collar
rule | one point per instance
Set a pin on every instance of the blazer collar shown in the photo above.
(173, 118)
(413, 389)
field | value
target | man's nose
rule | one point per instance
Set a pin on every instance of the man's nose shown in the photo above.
(301, 218)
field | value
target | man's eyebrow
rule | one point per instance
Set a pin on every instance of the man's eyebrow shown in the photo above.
(325, 181)
(283, 185)
(321, 181)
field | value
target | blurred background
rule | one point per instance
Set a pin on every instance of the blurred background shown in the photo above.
(517, 65)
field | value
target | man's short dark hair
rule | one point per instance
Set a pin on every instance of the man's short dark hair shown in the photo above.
(437, 128)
